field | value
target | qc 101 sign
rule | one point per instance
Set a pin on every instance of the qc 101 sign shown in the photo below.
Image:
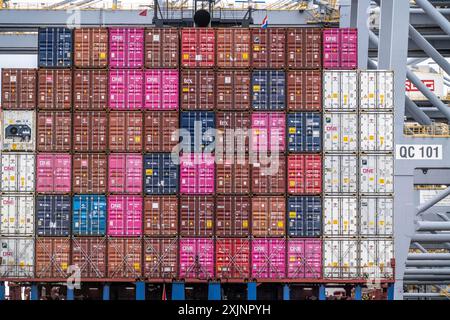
(419, 152)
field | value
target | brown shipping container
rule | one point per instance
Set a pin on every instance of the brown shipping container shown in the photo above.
(197, 216)
(91, 47)
(158, 129)
(232, 126)
(89, 254)
(233, 90)
(268, 216)
(54, 131)
(18, 89)
(232, 216)
(304, 90)
(90, 131)
(269, 48)
(198, 89)
(232, 175)
(55, 89)
(233, 47)
(52, 257)
(264, 181)
(304, 48)
(160, 258)
(90, 89)
(124, 258)
(160, 216)
(161, 47)
(89, 173)
(125, 131)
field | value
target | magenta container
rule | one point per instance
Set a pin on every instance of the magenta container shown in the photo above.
(125, 173)
(340, 48)
(304, 258)
(124, 215)
(126, 47)
(161, 89)
(268, 258)
(197, 173)
(125, 89)
(265, 126)
(54, 173)
(196, 258)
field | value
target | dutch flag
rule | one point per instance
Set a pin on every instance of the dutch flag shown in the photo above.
(265, 22)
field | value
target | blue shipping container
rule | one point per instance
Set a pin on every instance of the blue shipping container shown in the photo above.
(304, 132)
(268, 90)
(89, 215)
(160, 174)
(53, 216)
(304, 216)
(55, 47)
(197, 123)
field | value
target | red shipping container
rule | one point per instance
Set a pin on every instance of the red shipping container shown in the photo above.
(54, 131)
(304, 90)
(196, 258)
(197, 173)
(125, 131)
(230, 125)
(124, 258)
(232, 216)
(304, 258)
(268, 48)
(53, 173)
(90, 89)
(270, 178)
(161, 47)
(233, 175)
(268, 258)
(160, 216)
(197, 216)
(268, 131)
(160, 258)
(159, 131)
(340, 48)
(233, 90)
(90, 173)
(90, 47)
(126, 47)
(124, 216)
(18, 89)
(52, 257)
(233, 48)
(89, 254)
(90, 131)
(161, 89)
(268, 216)
(305, 174)
(198, 89)
(233, 258)
(304, 48)
(55, 89)
(125, 173)
(197, 47)
(126, 89)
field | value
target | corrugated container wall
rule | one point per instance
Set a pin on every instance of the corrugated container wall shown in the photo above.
(340, 258)
(125, 131)
(54, 89)
(125, 173)
(377, 257)
(160, 174)
(268, 131)
(160, 258)
(233, 48)
(233, 90)
(376, 90)
(197, 174)
(340, 90)
(160, 216)
(340, 174)
(161, 89)
(232, 214)
(161, 48)
(196, 258)
(16, 215)
(18, 130)
(17, 172)
(124, 258)
(268, 258)
(160, 131)
(17, 257)
(232, 174)
(126, 47)
(376, 132)
(89, 215)
(304, 216)
(304, 174)
(340, 132)
(269, 178)
(91, 47)
(233, 258)
(89, 254)
(269, 48)
(90, 131)
(304, 48)
(18, 89)
(340, 48)
(304, 90)
(53, 216)
(54, 172)
(55, 47)
(268, 90)
(54, 131)
(198, 47)
(268, 216)
(198, 89)
(376, 216)
(126, 90)
(190, 121)
(376, 174)
(227, 124)
(90, 89)
(340, 216)
(90, 173)
(124, 216)
(304, 132)
(196, 216)
(304, 258)
(52, 257)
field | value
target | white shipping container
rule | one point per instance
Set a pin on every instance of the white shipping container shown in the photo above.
(340, 132)
(375, 256)
(16, 215)
(376, 90)
(340, 258)
(340, 173)
(377, 216)
(340, 90)
(18, 172)
(376, 132)
(340, 216)
(433, 80)
(17, 257)
(18, 132)
(376, 174)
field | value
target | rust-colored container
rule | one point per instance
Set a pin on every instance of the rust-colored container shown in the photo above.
(232, 175)
(125, 131)
(229, 125)
(54, 131)
(270, 178)
(54, 89)
(304, 48)
(52, 257)
(233, 48)
(197, 216)
(198, 89)
(90, 47)
(18, 89)
(124, 258)
(233, 258)
(268, 216)
(232, 216)
(89, 173)
(90, 131)
(160, 216)
(161, 48)
(268, 48)
(304, 90)
(233, 90)
(160, 258)
(158, 129)
(90, 89)
(89, 254)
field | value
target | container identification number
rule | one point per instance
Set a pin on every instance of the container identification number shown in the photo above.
(419, 152)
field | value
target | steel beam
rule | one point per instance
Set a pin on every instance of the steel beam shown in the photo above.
(428, 271)
(428, 263)
(429, 256)
(431, 238)
(427, 205)
(432, 226)
(434, 14)
(424, 295)
(345, 13)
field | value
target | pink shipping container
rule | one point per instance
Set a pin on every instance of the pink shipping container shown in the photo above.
(304, 258)
(126, 47)
(340, 48)
(197, 173)
(125, 173)
(269, 258)
(54, 173)
(266, 127)
(124, 215)
(126, 89)
(198, 47)
(161, 89)
(196, 258)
